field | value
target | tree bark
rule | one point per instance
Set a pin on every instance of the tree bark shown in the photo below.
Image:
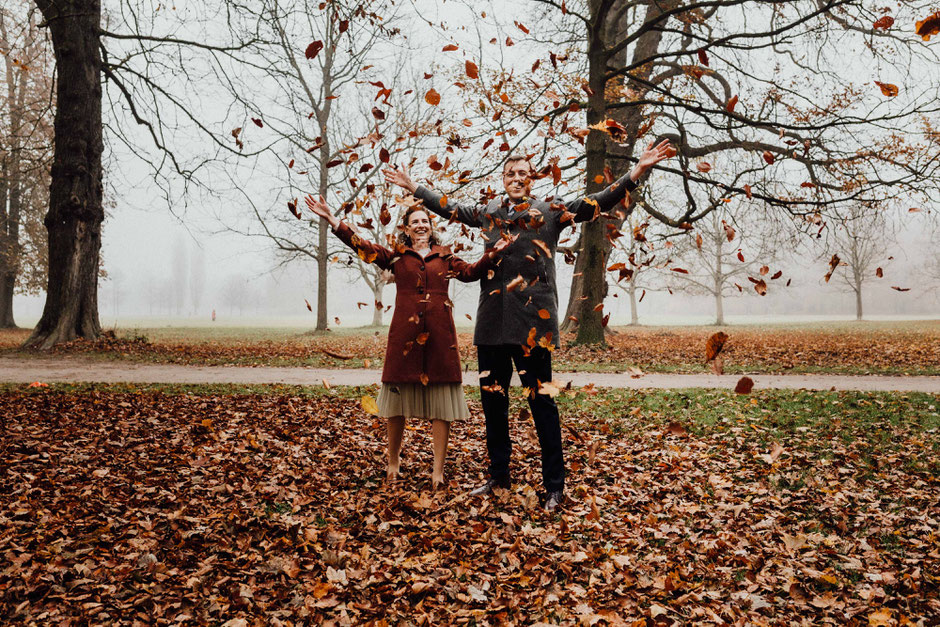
(719, 308)
(377, 309)
(858, 303)
(75, 214)
(634, 313)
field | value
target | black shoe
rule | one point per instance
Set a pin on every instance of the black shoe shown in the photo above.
(487, 487)
(553, 500)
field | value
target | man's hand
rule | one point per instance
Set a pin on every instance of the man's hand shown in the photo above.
(650, 157)
(398, 175)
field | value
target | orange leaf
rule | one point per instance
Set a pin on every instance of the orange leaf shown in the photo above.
(714, 345)
(883, 23)
(544, 314)
(703, 166)
(747, 191)
(432, 97)
(422, 338)
(449, 48)
(471, 68)
(888, 89)
(424, 379)
(599, 178)
(731, 103)
(928, 27)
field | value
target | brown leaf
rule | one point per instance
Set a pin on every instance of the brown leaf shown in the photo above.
(928, 27)
(714, 345)
(677, 429)
(432, 97)
(883, 23)
(544, 314)
(471, 69)
(744, 385)
(703, 166)
(729, 107)
(313, 49)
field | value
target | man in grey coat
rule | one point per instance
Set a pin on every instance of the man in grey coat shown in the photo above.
(517, 316)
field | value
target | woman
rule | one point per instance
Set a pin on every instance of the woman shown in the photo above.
(421, 377)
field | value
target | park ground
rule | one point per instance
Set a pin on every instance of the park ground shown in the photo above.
(265, 504)
(886, 348)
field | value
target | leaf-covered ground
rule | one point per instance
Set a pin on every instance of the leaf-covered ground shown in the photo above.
(867, 348)
(207, 505)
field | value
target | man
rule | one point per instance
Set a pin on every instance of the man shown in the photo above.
(517, 317)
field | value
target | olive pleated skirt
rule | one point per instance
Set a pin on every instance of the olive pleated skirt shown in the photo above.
(436, 401)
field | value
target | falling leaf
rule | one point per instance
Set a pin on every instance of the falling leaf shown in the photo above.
(888, 89)
(760, 286)
(729, 107)
(703, 166)
(729, 230)
(424, 379)
(883, 23)
(703, 58)
(471, 69)
(901, 289)
(258, 122)
(747, 191)
(768, 157)
(432, 97)
(879, 272)
(449, 48)
(313, 49)
(928, 27)
(544, 314)
(744, 385)
(680, 270)
(521, 27)
(422, 338)
(516, 282)
(309, 308)
(833, 264)
(714, 345)
(378, 114)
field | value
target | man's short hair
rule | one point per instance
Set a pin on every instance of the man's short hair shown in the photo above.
(515, 158)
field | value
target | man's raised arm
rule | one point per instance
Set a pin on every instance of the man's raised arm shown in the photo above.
(587, 208)
(432, 199)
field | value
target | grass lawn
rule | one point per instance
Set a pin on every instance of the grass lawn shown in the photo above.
(895, 348)
(217, 503)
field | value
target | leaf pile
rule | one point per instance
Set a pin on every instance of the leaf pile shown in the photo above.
(143, 506)
(897, 349)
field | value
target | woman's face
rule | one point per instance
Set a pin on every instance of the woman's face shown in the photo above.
(419, 228)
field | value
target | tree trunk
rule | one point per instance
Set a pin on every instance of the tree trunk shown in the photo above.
(593, 279)
(858, 303)
(377, 309)
(75, 211)
(634, 313)
(719, 308)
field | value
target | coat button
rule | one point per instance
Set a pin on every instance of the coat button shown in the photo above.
(422, 268)
(420, 314)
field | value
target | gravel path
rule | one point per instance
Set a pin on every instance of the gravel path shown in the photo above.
(71, 369)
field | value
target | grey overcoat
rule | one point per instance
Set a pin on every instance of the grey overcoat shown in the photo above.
(510, 308)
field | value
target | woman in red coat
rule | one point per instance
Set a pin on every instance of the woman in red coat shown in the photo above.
(421, 377)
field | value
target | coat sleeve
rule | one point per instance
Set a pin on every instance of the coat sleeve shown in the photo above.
(367, 251)
(587, 208)
(471, 216)
(468, 272)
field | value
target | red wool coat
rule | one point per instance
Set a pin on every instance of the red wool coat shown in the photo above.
(422, 340)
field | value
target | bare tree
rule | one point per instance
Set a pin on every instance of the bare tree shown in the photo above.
(25, 153)
(725, 258)
(860, 239)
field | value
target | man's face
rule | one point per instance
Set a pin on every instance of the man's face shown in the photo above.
(517, 179)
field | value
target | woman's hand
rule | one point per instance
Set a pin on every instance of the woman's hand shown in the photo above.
(399, 175)
(318, 206)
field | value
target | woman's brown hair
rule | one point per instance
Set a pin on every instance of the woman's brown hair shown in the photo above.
(404, 238)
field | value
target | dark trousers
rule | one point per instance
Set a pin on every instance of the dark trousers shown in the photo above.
(532, 368)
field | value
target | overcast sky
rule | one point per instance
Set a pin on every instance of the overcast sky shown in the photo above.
(142, 240)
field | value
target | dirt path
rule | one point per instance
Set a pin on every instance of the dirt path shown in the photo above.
(68, 369)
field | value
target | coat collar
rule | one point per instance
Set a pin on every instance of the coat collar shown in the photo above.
(436, 249)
